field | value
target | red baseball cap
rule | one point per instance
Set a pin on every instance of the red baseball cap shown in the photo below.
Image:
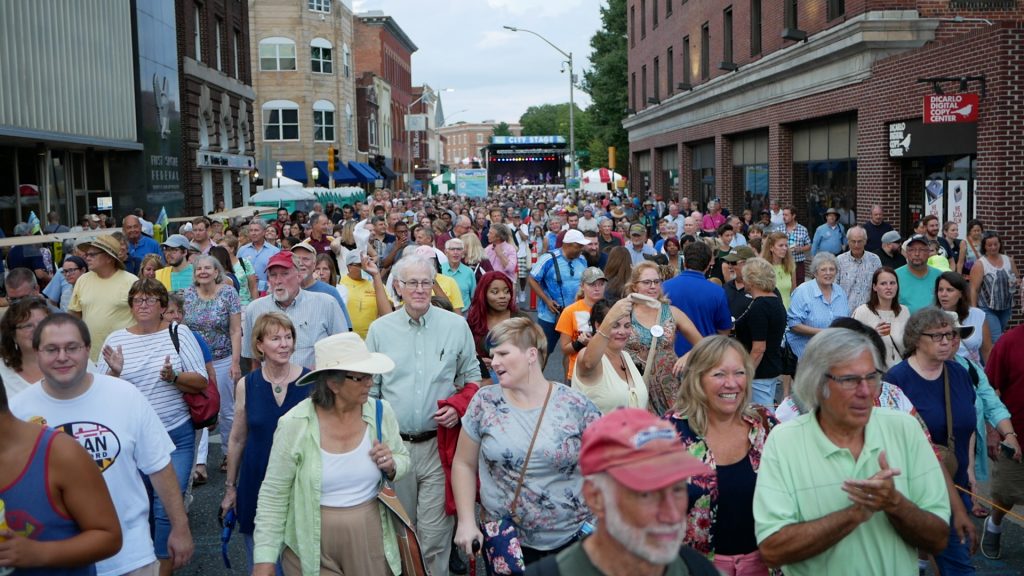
(639, 450)
(281, 259)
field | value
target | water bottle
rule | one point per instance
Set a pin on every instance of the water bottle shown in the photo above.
(4, 571)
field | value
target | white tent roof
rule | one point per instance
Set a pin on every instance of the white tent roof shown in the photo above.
(284, 194)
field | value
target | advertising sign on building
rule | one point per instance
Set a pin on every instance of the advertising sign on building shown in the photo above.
(915, 139)
(956, 204)
(950, 108)
(472, 182)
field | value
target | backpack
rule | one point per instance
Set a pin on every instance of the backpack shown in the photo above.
(203, 407)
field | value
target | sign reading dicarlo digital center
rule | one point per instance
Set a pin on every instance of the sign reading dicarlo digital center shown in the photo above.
(950, 108)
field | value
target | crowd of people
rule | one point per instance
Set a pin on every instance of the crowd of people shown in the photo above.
(735, 394)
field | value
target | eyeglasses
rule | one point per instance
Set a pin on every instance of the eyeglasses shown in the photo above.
(649, 283)
(873, 380)
(358, 379)
(70, 350)
(940, 336)
(418, 284)
(152, 301)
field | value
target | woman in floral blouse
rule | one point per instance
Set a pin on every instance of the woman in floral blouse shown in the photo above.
(718, 424)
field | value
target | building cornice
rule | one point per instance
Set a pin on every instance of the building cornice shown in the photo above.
(217, 79)
(834, 58)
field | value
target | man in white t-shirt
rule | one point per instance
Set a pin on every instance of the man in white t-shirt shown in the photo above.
(115, 423)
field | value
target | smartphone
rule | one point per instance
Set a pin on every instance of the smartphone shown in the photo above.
(1006, 449)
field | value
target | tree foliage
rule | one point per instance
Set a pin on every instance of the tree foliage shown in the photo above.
(502, 129)
(606, 83)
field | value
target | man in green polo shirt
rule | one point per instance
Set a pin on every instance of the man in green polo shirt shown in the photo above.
(917, 279)
(847, 489)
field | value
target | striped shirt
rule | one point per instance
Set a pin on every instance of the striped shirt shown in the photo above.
(315, 316)
(144, 357)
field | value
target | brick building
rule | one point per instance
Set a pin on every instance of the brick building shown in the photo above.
(383, 48)
(215, 80)
(728, 100)
(466, 140)
(305, 80)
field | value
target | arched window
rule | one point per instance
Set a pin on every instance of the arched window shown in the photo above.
(321, 56)
(277, 54)
(348, 124)
(323, 121)
(280, 120)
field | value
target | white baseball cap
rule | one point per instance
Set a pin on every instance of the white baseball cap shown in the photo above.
(575, 237)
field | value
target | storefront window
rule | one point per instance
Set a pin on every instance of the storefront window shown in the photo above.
(825, 170)
(750, 169)
(643, 162)
(702, 173)
(670, 170)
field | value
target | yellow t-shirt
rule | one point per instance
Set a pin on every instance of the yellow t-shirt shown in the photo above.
(451, 289)
(103, 304)
(362, 303)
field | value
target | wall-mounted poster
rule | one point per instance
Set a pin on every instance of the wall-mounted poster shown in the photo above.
(933, 192)
(956, 204)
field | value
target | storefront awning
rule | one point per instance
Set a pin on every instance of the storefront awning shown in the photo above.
(295, 169)
(341, 176)
(363, 172)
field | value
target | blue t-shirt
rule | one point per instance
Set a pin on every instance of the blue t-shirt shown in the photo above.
(146, 245)
(703, 301)
(929, 398)
(917, 293)
(564, 293)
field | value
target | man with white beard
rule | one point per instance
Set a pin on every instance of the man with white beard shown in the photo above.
(315, 315)
(635, 470)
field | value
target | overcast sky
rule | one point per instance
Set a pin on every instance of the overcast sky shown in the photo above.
(496, 74)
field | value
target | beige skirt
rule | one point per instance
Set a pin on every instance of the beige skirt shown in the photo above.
(1008, 482)
(351, 543)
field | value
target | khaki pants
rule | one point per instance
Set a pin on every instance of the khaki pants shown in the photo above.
(422, 493)
(351, 543)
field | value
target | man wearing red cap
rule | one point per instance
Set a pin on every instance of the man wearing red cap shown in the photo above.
(635, 471)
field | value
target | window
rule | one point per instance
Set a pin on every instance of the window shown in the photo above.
(277, 54)
(632, 26)
(668, 8)
(643, 19)
(321, 58)
(654, 13)
(348, 124)
(836, 8)
(217, 43)
(323, 121)
(727, 34)
(670, 64)
(371, 129)
(346, 62)
(705, 51)
(755, 27)
(657, 79)
(320, 6)
(479, 138)
(643, 86)
(280, 120)
(632, 91)
(197, 32)
(789, 14)
(687, 73)
(234, 53)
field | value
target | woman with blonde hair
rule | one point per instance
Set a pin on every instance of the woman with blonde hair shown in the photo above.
(718, 425)
(775, 249)
(149, 265)
(474, 256)
(656, 321)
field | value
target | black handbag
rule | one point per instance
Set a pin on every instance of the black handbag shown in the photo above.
(789, 359)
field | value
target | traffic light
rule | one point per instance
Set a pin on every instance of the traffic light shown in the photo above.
(332, 159)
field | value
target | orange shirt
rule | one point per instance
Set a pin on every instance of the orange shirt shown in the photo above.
(568, 324)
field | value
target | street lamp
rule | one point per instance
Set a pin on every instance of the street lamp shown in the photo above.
(279, 169)
(572, 82)
(427, 96)
(316, 174)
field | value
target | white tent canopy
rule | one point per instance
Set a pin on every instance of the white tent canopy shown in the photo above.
(284, 194)
(599, 179)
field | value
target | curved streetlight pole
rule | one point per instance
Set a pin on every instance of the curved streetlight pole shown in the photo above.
(572, 105)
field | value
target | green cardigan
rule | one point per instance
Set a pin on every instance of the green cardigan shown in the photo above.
(288, 508)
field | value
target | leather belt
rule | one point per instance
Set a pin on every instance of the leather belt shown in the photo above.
(421, 437)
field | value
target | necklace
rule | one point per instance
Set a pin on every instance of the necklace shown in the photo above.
(278, 387)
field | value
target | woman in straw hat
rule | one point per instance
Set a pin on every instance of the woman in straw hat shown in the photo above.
(318, 503)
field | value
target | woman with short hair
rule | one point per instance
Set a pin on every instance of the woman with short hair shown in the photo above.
(497, 431)
(718, 424)
(19, 361)
(317, 507)
(262, 397)
(148, 267)
(761, 328)
(816, 304)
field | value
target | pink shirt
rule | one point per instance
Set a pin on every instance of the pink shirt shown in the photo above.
(511, 262)
(712, 221)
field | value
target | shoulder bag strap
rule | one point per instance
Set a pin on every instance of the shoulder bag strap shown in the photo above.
(949, 412)
(172, 328)
(529, 451)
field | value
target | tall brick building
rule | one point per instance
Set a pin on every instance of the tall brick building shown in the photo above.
(728, 100)
(215, 80)
(383, 48)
